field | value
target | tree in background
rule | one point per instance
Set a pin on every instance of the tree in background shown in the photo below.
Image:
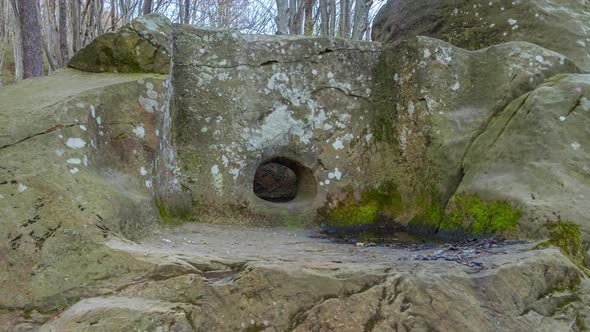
(63, 32)
(147, 7)
(31, 38)
(38, 36)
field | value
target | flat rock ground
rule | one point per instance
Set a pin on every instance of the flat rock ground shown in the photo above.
(230, 278)
(305, 247)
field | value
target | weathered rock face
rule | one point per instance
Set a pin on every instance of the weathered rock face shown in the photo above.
(536, 153)
(444, 139)
(558, 25)
(442, 99)
(144, 45)
(243, 101)
(77, 166)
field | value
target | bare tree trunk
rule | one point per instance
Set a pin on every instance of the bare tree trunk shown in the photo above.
(296, 10)
(98, 8)
(3, 40)
(113, 15)
(282, 19)
(345, 18)
(2, 47)
(88, 12)
(180, 11)
(348, 17)
(63, 32)
(31, 38)
(309, 21)
(124, 11)
(187, 11)
(76, 26)
(17, 48)
(47, 32)
(332, 17)
(361, 18)
(147, 7)
(324, 20)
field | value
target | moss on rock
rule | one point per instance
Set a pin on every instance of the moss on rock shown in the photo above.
(566, 236)
(467, 215)
(365, 208)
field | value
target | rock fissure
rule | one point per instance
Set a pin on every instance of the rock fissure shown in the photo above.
(50, 130)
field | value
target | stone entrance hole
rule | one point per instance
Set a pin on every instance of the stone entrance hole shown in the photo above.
(281, 180)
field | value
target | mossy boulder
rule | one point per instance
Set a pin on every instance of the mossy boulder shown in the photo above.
(536, 154)
(142, 46)
(558, 25)
(431, 101)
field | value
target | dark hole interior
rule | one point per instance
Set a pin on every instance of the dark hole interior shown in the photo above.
(275, 182)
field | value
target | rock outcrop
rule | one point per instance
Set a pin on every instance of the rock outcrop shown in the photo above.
(242, 101)
(558, 25)
(102, 164)
(77, 166)
(142, 46)
(536, 153)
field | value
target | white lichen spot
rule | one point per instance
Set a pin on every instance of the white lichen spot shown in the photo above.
(217, 178)
(314, 72)
(426, 53)
(143, 171)
(581, 43)
(21, 187)
(335, 175)
(74, 161)
(148, 183)
(139, 131)
(512, 21)
(83, 127)
(539, 58)
(204, 129)
(235, 172)
(152, 94)
(575, 145)
(99, 120)
(74, 170)
(337, 145)
(149, 105)
(456, 86)
(59, 152)
(411, 108)
(85, 160)
(562, 118)
(75, 143)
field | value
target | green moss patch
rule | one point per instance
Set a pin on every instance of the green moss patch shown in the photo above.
(566, 236)
(467, 215)
(163, 211)
(364, 209)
